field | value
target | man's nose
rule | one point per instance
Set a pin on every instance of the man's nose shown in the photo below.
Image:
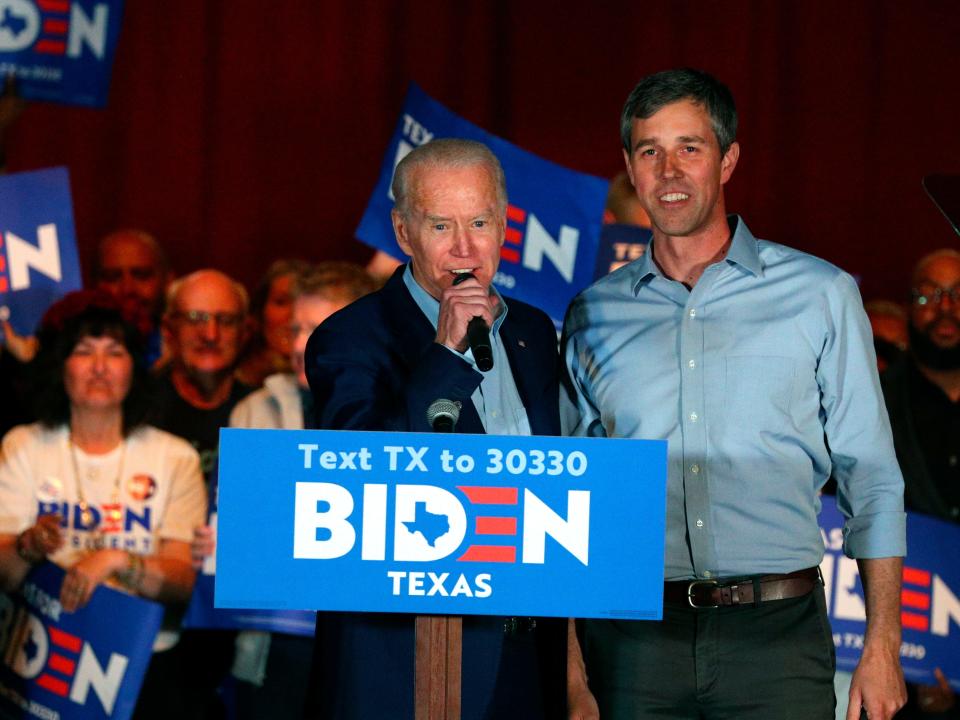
(670, 166)
(462, 243)
(210, 328)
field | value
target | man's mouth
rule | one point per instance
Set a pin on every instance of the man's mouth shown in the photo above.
(673, 197)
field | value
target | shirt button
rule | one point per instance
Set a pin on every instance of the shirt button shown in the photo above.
(692, 363)
(694, 469)
(693, 417)
(707, 573)
(693, 312)
(699, 523)
(495, 413)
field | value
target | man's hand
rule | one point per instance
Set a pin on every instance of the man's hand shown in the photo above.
(202, 546)
(41, 540)
(459, 304)
(877, 684)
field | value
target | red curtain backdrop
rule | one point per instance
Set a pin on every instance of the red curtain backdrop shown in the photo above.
(240, 131)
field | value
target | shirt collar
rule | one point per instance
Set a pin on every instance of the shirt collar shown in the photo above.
(431, 307)
(743, 252)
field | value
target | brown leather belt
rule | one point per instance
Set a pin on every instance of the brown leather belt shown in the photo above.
(741, 591)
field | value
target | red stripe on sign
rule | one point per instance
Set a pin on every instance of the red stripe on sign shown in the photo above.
(55, 27)
(64, 666)
(512, 235)
(489, 495)
(914, 599)
(510, 255)
(916, 577)
(57, 6)
(912, 621)
(489, 553)
(3, 263)
(516, 214)
(496, 526)
(3, 283)
(57, 687)
(50, 47)
(65, 640)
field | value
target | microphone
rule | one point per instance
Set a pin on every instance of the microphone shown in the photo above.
(442, 415)
(478, 335)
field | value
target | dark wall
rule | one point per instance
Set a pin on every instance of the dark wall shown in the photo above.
(239, 131)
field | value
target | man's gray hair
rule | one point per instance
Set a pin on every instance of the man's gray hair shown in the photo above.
(445, 153)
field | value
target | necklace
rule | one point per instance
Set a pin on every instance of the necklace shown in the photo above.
(111, 511)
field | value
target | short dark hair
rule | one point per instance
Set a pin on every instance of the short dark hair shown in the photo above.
(670, 86)
(78, 315)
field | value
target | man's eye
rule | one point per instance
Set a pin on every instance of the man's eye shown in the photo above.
(440, 227)
(690, 149)
(648, 152)
(479, 223)
(142, 275)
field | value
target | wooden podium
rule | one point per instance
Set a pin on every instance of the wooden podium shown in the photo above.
(438, 673)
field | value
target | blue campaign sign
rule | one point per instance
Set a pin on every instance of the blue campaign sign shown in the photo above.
(38, 245)
(60, 50)
(85, 665)
(202, 614)
(441, 524)
(619, 245)
(553, 219)
(930, 598)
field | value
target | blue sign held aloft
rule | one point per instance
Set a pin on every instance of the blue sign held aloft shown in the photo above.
(60, 50)
(441, 524)
(553, 217)
(38, 247)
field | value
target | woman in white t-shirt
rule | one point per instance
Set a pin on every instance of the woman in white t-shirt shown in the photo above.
(91, 487)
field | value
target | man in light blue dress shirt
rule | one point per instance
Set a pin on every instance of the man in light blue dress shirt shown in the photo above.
(755, 361)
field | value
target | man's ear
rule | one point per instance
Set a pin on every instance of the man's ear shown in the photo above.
(729, 162)
(400, 231)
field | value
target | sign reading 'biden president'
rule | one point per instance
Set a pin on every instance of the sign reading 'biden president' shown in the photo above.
(458, 524)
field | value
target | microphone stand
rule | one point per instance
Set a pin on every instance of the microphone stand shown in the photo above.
(439, 638)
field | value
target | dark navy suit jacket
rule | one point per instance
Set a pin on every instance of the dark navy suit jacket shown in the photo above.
(375, 366)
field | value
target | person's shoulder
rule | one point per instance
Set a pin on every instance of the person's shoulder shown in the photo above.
(23, 436)
(775, 257)
(150, 437)
(525, 312)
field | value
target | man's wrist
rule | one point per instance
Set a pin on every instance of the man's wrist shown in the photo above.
(26, 550)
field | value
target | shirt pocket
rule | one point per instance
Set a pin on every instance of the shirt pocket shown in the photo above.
(758, 389)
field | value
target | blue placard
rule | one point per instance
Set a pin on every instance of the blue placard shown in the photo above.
(930, 599)
(60, 50)
(457, 524)
(553, 219)
(83, 665)
(202, 614)
(38, 245)
(619, 245)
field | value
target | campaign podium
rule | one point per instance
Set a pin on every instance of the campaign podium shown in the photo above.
(439, 526)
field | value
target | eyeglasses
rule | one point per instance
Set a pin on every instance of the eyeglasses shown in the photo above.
(199, 318)
(932, 295)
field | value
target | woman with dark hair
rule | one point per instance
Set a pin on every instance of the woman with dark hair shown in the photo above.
(70, 483)
(271, 305)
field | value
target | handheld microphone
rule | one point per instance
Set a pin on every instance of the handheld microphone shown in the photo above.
(443, 415)
(478, 335)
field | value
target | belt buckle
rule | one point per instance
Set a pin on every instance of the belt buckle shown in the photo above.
(690, 594)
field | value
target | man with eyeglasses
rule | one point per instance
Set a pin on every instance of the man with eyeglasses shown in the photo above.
(755, 362)
(922, 392)
(204, 328)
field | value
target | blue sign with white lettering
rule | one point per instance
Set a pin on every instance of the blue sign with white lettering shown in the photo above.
(84, 665)
(441, 524)
(202, 614)
(930, 600)
(38, 246)
(553, 218)
(60, 50)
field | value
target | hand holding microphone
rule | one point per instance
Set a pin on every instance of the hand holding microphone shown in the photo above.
(466, 314)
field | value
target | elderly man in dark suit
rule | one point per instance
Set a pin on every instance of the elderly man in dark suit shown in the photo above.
(379, 364)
